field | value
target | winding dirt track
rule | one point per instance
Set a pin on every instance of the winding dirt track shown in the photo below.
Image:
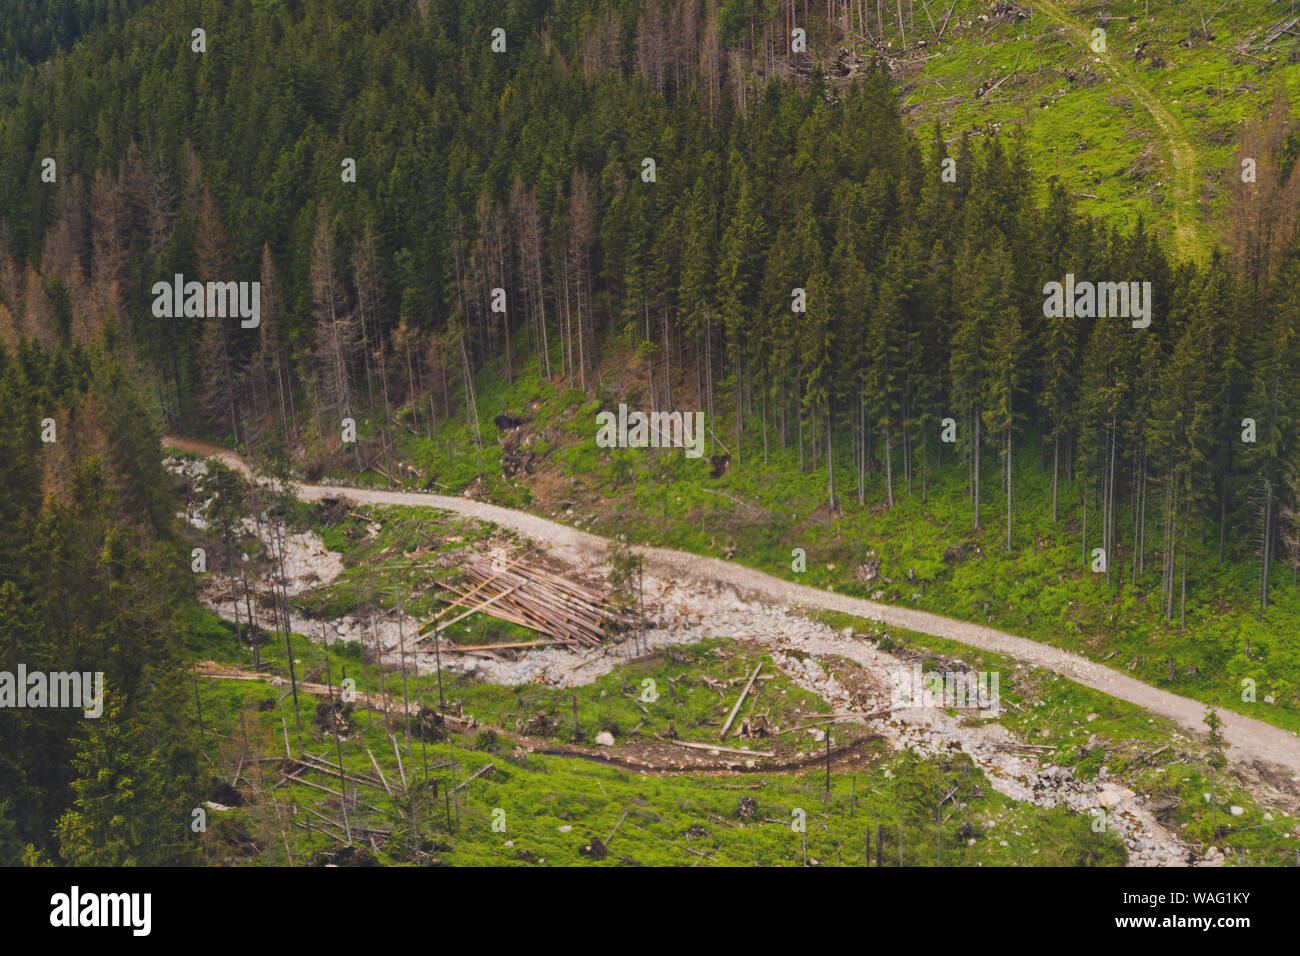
(1181, 156)
(1248, 739)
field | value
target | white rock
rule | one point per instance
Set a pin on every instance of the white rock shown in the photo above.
(1236, 811)
(605, 739)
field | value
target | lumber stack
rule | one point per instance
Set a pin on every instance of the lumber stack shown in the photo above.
(534, 598)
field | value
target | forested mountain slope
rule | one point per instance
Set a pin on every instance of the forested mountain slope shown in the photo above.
(664, 204)
(92, 579)
(34, 30)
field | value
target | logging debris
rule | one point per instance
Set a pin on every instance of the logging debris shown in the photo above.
(533, 598)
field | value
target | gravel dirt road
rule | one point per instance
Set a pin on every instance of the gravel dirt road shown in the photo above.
(1248, 739)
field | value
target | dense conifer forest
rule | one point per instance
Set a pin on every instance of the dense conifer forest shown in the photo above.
(753, 232)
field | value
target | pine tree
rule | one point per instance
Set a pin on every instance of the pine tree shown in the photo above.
(1217, 759)
(336, 330)
(217, 358)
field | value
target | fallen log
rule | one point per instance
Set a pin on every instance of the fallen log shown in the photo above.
(439, 615)
(945, 21)
(474, 610)
(513, 645)
(836, 718)
(477, 773)
(378, 771)
(743, 694)
(721, 749)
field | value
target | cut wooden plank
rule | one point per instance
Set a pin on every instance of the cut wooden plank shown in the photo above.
(378, 771)
(328, 766)
(316, 786)
(945, 21)
(536, 599)
(470, 594)
(740, 700)
(474, 610)
(721, 749)
(474, 648)
(477, 773)
(836, 718)
(507, 613)
(617, 825)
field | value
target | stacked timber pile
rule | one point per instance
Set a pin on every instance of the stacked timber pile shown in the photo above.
(531, 597)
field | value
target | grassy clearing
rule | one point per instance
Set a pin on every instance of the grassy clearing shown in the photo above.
(1097, 737)
(1084, 126)
(552, 806)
